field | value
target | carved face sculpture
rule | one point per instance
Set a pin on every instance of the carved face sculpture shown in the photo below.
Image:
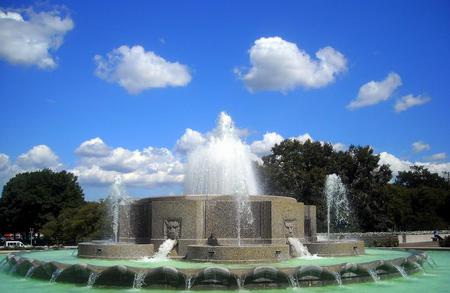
(289, 228)
(172, 229)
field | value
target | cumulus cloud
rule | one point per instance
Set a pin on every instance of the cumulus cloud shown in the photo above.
(149, 167)
(398, 165)
(420, 146)
(303, 137)
(38, 157)
(264, 146)
(406, 102)
(339, 147)
(375, 92)
(137, 70)
(29, 37)
(437, 157)
(4, 162)
(189, 140)
(395, 164)
(279, 65)
(93, 148)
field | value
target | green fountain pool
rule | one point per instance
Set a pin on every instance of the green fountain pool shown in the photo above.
(431, 279)
(69, 257)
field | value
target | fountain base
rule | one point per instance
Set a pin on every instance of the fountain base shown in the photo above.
(337, 248)
(111, 250)
(238, 254)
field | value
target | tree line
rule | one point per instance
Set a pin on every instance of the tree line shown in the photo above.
(52, 204)
(414, 200)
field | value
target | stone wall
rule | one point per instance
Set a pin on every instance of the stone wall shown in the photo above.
(192, 219)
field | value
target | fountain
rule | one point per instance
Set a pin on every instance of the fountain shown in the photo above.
(337, 202)
(117, 199)
(254, 240)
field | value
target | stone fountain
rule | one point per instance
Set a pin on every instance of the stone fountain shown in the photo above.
(221, 203)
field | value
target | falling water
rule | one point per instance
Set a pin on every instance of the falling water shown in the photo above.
(117, 197)
(430, 261)
(417, 265)
(239, 283)
(401, 270)
(336, 196)
(164, 249)
(223, 165)
(93, 276)
(55, 275)
(292, 281)
(30, 272)
(299, 248)
(139, 279)
(373, 274)
(338, 278)
(188, 285)
(3, 263)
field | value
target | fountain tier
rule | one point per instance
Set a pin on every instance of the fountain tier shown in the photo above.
(192, 219)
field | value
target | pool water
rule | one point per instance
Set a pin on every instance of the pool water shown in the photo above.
(69, 257)
(431, 279)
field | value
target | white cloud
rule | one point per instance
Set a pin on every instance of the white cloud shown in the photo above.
(339, 147)
(137, 70)
(100, 164)
(4, 162)
(264, 146)
(93, 148)
(420, 146)
(437, 157)
(375, 92)
(395, 164)
(303, 138)
(280, 65)
(38, 157)
(398, 165)
(189, 140)
(409, 101)
(29, 37)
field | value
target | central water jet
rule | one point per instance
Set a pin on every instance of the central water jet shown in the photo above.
(223, 165)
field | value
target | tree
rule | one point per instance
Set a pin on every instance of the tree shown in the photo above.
(299, 169)
(78, 224)
(420, 176)
(31, 199)
(359, 168)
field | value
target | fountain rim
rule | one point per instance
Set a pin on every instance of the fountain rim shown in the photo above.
(225, 197)
(325, 271)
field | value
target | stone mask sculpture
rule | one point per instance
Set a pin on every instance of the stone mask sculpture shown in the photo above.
(172, 229)
(289, 228)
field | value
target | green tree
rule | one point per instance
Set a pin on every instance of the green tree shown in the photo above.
(299, 169)
(366, 180)
(420, 176)
(78, 224)
(31, 199)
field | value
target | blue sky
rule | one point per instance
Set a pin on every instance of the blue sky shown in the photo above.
(247, 59)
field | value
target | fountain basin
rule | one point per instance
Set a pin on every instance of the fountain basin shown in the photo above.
(238, 254)
(111, 250)
(336, 248)
(193, 275)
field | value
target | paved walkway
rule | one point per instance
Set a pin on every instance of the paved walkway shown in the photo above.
(429, 245)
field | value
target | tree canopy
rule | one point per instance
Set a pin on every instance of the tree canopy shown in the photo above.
(31, 199)
(417, 200)
(78, 224)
